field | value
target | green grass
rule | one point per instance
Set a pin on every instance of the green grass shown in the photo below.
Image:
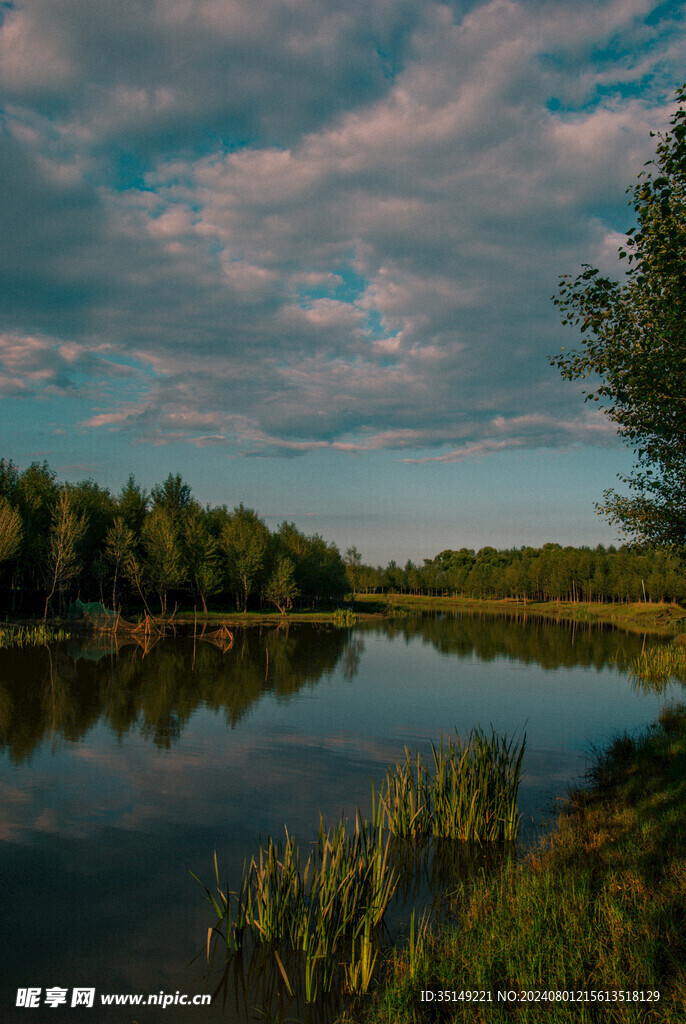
(471, 793)
(657, 667)
(600, 906)
(322, 917)
(344, 617)
(660, 619)
(30, 636)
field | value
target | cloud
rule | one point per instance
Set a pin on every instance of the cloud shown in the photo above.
(303, 227)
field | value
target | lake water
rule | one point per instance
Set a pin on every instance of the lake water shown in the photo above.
(123, 772)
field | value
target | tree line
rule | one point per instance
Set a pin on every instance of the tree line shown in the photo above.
(548, 573)
(135, 550)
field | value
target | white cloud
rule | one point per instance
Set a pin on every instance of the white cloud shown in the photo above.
(319, 227)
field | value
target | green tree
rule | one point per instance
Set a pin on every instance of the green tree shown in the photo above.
(133, 505)
(163, 566)
(174, 496)
(98, 508)
(62, 560)
(635, 344)
(10, 531)
(119, 548)
(245, 542)
(281, 587)
(353, 565)
(201, 554)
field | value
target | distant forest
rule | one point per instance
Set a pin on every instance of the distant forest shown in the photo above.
(136, 551)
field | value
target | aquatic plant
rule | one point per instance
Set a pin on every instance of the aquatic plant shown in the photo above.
(323, 916)
(656, 667)
(30, 636)
(329, 909)
(344, 617)
(470, 795)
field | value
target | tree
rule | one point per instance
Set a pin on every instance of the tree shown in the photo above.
(62, 562)
(174, 496)
(10, 531)
(635, 344)
(245, 541)
(133, 505)
(36, 498)
(353, 565)
(201, 553)
(119, 547)
(281, 587)
(163, 566)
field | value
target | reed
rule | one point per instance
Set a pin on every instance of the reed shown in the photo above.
(471, 794)
(328, 907)
(320, 918)
(344, 617)
(656, 667)
(30, 636)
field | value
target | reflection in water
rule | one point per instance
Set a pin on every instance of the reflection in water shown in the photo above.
(64, 691)
(123, 771)
(529, 639)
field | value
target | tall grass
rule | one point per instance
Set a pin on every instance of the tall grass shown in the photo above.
(322, 916)
(30, 636)
(597, 907)
(471, 794)
(656, 667)
(344, 617)
(328, 908)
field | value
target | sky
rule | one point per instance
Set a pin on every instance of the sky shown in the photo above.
(303, 252)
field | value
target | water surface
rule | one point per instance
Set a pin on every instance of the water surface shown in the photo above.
(122, 771)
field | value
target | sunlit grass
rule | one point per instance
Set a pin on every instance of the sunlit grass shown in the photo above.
(322, 916)
(344, 617)
(30, 636)
(597, 908)
(470, 793)
(656, 667)
(327, 908)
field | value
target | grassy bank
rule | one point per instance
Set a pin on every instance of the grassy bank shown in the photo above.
(601, 907)
(662, 619)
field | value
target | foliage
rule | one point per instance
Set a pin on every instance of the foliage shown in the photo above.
(30, 636)
(329, 907)
(119, 549)
(163, 561)
(595, 907)
(551, 572)
(656, 667)
(201, 554)
(281, 587)
(245, 542)
(344, 617)
(10, 531)
(329, 910)
(635, 344)
(173, 497)
(353, 564)
(66, 534)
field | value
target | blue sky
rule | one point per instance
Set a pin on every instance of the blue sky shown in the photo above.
(303, 252)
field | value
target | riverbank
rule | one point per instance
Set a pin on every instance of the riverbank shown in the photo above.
(597, 911)
(661, 619)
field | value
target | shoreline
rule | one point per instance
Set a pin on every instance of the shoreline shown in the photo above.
(595, 907)
(660, 619)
